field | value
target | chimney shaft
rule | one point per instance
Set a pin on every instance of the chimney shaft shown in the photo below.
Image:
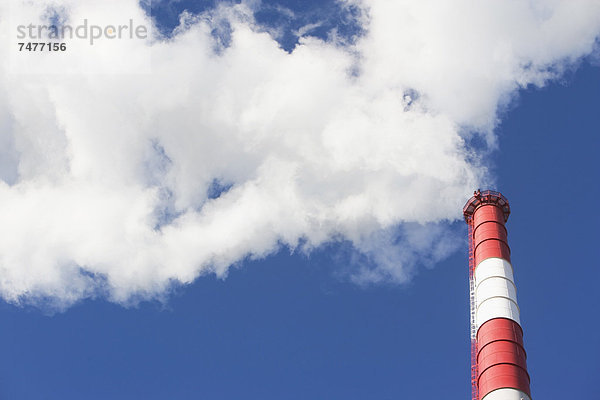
(499, 369)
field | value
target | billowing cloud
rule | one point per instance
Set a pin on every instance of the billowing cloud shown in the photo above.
(214, 144)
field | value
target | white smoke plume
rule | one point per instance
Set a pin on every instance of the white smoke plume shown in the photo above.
(123, 184)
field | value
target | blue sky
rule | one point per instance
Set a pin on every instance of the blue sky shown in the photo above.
(293, 326)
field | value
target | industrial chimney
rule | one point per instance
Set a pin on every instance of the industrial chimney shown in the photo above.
(498, 366)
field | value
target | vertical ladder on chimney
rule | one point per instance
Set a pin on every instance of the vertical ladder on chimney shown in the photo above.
(473, 309)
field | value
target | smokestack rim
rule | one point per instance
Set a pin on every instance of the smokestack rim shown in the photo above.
(486, 197)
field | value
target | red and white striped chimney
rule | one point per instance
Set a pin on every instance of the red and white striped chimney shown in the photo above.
(498, 366)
